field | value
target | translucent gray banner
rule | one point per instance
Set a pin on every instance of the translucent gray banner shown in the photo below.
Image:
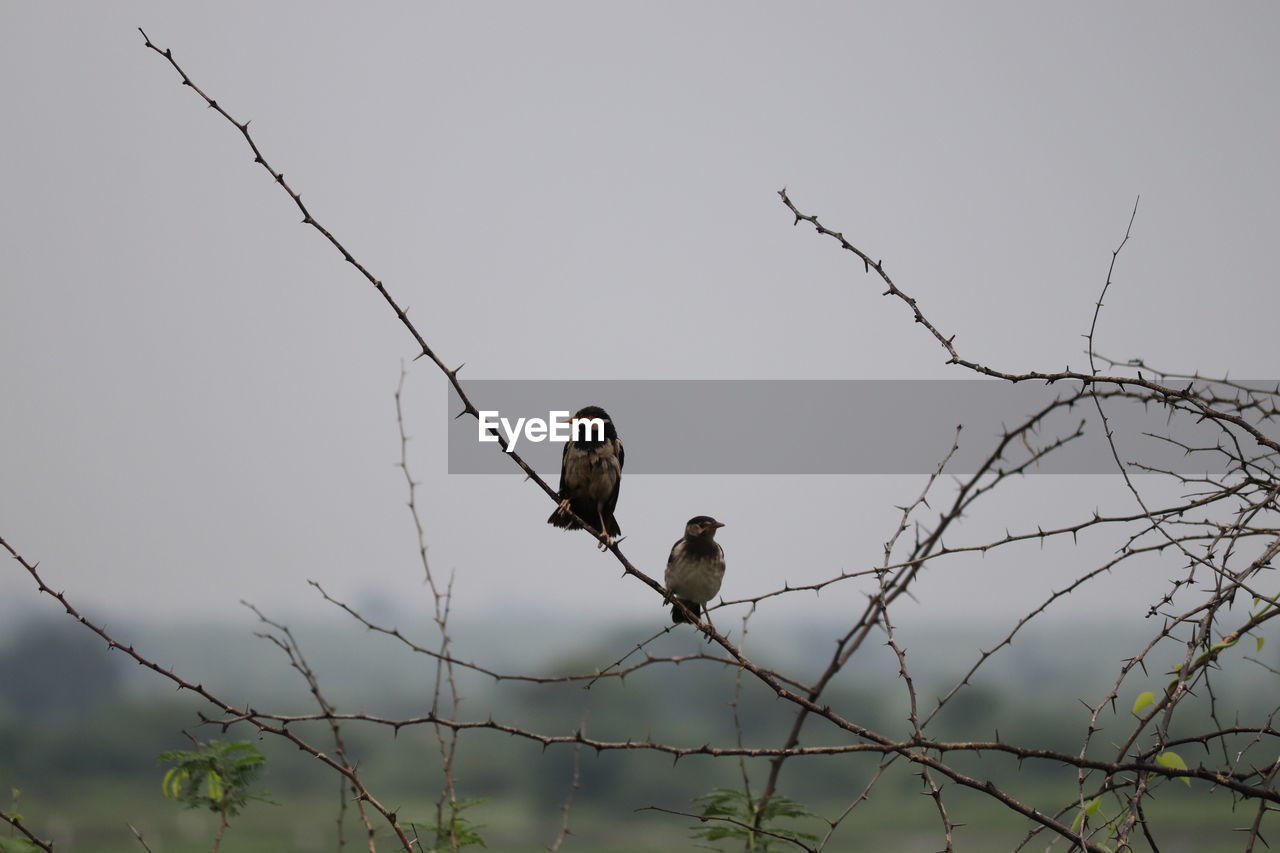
(831, 427)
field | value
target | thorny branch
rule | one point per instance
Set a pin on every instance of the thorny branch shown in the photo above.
(240, 714)
(1240, 411)
(287, 643)
(1160, 392)
(442, 599)
(16, 823)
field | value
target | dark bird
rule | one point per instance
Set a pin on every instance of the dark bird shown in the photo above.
(590, 474)
(695, 567)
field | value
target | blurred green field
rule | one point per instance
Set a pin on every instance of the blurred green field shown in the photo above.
(81, 747)
(95, 816)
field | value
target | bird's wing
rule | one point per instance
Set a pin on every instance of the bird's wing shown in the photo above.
(671, 559)
(564, 465)
(612, 502)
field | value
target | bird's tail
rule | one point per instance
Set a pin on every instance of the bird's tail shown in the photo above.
(612, 524)
(563, 519)
(677, 615)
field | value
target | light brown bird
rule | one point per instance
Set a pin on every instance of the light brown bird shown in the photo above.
(695, 568)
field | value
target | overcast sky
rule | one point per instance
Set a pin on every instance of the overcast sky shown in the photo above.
(196, 392)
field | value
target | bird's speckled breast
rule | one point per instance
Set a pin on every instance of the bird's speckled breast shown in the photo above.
(695, 576)
(583, 466)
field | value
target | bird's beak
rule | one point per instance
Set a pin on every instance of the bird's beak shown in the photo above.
(713, 525)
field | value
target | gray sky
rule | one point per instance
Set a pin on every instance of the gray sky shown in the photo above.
(196, 391)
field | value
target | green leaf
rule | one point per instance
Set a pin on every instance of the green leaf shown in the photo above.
(1261, 641)
(1226, 643)
(171, 787)
(456, 831)
(217, 776)
(729, 803)
(1090, 808)
(1173, 761)
(1144, 699)
(215, 786)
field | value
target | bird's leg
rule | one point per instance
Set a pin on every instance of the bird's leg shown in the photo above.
(607, 542)
(707, 615)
